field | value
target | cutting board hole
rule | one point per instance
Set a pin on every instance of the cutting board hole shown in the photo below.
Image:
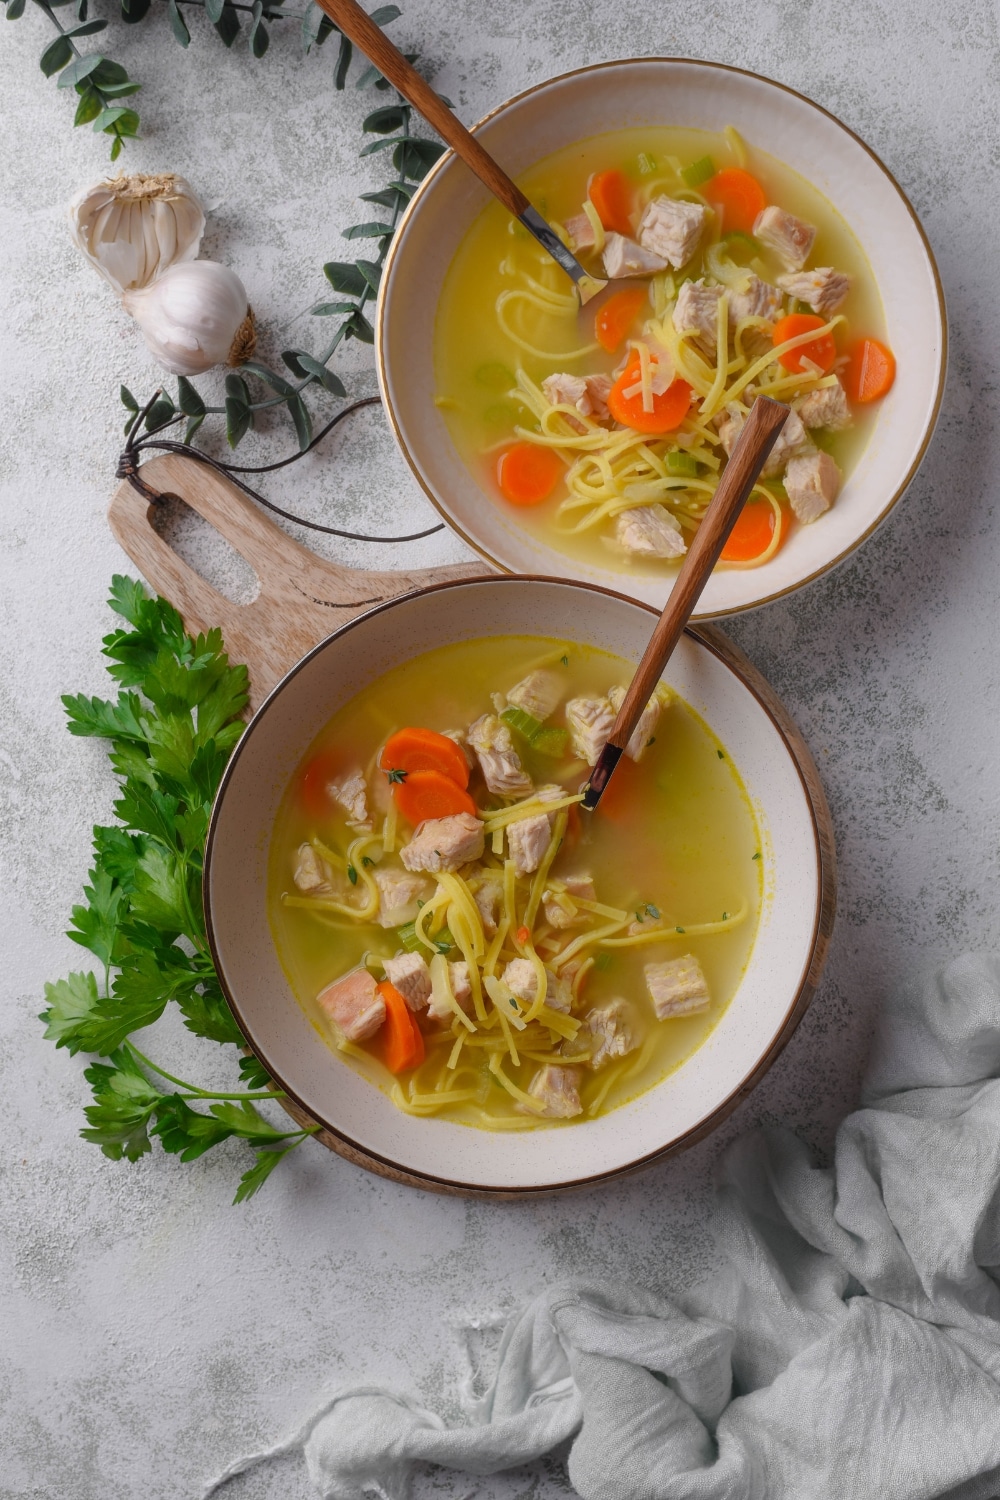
(205, 551)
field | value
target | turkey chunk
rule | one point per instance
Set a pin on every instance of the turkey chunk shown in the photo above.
(760, 300)
(521, 979)
(461, 989)
(444, 844)
(558, 1090)
(559, 906)
(581, 232)
(649, 531)
(826, 407)
(351, 793)
(697, 310)
(811, 484)
(642, 735)
(792, 436)
(409, 974)
(677, 988)
(498, 760)
(823, 288)
(354, 1005)
(789, 238)
(538, 694)
(312, 874)
(672, 228)
(623, 257)
(613, 1029)
(488, 895)
(399, 895)
(528, 838)
(590, 723)
(588, 393)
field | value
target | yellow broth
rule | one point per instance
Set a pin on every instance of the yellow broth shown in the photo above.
(477, 362)
(676, 834)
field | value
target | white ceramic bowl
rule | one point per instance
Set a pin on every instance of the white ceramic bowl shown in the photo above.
(708, 96)
(360, 1122)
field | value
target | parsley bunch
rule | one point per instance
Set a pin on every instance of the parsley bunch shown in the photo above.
(171, 730)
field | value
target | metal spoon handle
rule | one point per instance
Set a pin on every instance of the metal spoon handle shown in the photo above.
(356, 24)
(749, 456)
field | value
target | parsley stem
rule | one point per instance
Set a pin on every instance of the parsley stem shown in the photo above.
(192, 1091)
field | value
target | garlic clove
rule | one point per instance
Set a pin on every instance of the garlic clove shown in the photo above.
(195, 315)
(132, 229)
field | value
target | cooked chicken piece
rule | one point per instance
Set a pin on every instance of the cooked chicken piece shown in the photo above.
(558, 1089)
(623, 257)
(461, 989)
(614, 1031)
(580, 231)
(488, 896)
(789, 238)
(521, 979)
(649, 531)
(528, 838)
(350, 792)
(312, 874)
(792, 436)
(444, 844)
(587, 393)
(556, 914)
(498, 760)
(590, 722)
(677, 987)
(672, 228)
(538, 694)
(697, 310)
(399, 895)
(409, 974)
(760, 300)
(353, 1004)
(823, 288)
(642, 735)
(462, 741)
(827, 408)
(811, 484)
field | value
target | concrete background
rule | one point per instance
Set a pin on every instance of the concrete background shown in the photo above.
(152, 1332)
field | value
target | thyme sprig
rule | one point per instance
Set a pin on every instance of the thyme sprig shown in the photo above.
(101, 83)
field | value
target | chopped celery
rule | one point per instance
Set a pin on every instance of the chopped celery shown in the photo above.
(699, 172)
(522, 723)
(647, 164)
(550, 742)
(742, 247)
(408, 938)
(682, 463)
(495, 377)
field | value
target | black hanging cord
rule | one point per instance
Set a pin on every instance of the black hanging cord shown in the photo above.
(128, 468)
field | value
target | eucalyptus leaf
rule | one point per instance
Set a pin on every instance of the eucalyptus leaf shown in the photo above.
(391, 197)
(237, 389)
(128, 400)
(110, 73)
(344, 55)
(260, 39)
(56, 55)
(316, 26)
(178, 25)
(382, 121)
(228, 25)
(15, 10)
(329, 309)
(310, 366)
(88, 28)
(79, 69)
(371, 272)
(192, 428)
(368, 231)
(371, 74)
(188, 398)
(135, 10)
(384, 14)
(238, 421)
(118, 90)
(303, 425)
(276, 382)
(358, 327)
(344, 276)
(213, 10)
(160, 412)
(385, 145)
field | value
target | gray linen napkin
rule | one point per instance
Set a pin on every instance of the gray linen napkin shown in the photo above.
(850, 1350)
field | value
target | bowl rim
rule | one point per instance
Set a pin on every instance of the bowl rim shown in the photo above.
(713, 640)
(697, 62)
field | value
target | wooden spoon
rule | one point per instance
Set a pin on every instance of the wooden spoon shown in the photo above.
(356, 24)
(749, 456)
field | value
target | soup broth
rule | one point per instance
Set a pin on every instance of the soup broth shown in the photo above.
(556, 458)
(672, 857)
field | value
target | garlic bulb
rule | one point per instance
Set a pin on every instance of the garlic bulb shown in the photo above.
(194, 316)
(132, 228)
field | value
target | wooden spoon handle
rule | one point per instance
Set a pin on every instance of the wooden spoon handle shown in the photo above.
(749, 456)
(356, 24)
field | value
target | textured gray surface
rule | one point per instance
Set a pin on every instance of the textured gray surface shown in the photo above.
(151, 1331)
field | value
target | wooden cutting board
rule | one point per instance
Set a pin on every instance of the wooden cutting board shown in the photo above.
(302, 598)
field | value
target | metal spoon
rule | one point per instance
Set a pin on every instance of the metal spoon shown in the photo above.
(361, 29)
(749, 456)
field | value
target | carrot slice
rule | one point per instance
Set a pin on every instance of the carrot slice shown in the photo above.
(821, 351)
(669, 410)
(870, 371)
(402, 1039)
(315, 778)
(752, 533)
(739, 195)
(430, 794)
(613, 321)
(611, 194)
(416, 749)
(527, 473)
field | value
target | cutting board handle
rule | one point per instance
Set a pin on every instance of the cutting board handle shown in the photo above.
(302, 598)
